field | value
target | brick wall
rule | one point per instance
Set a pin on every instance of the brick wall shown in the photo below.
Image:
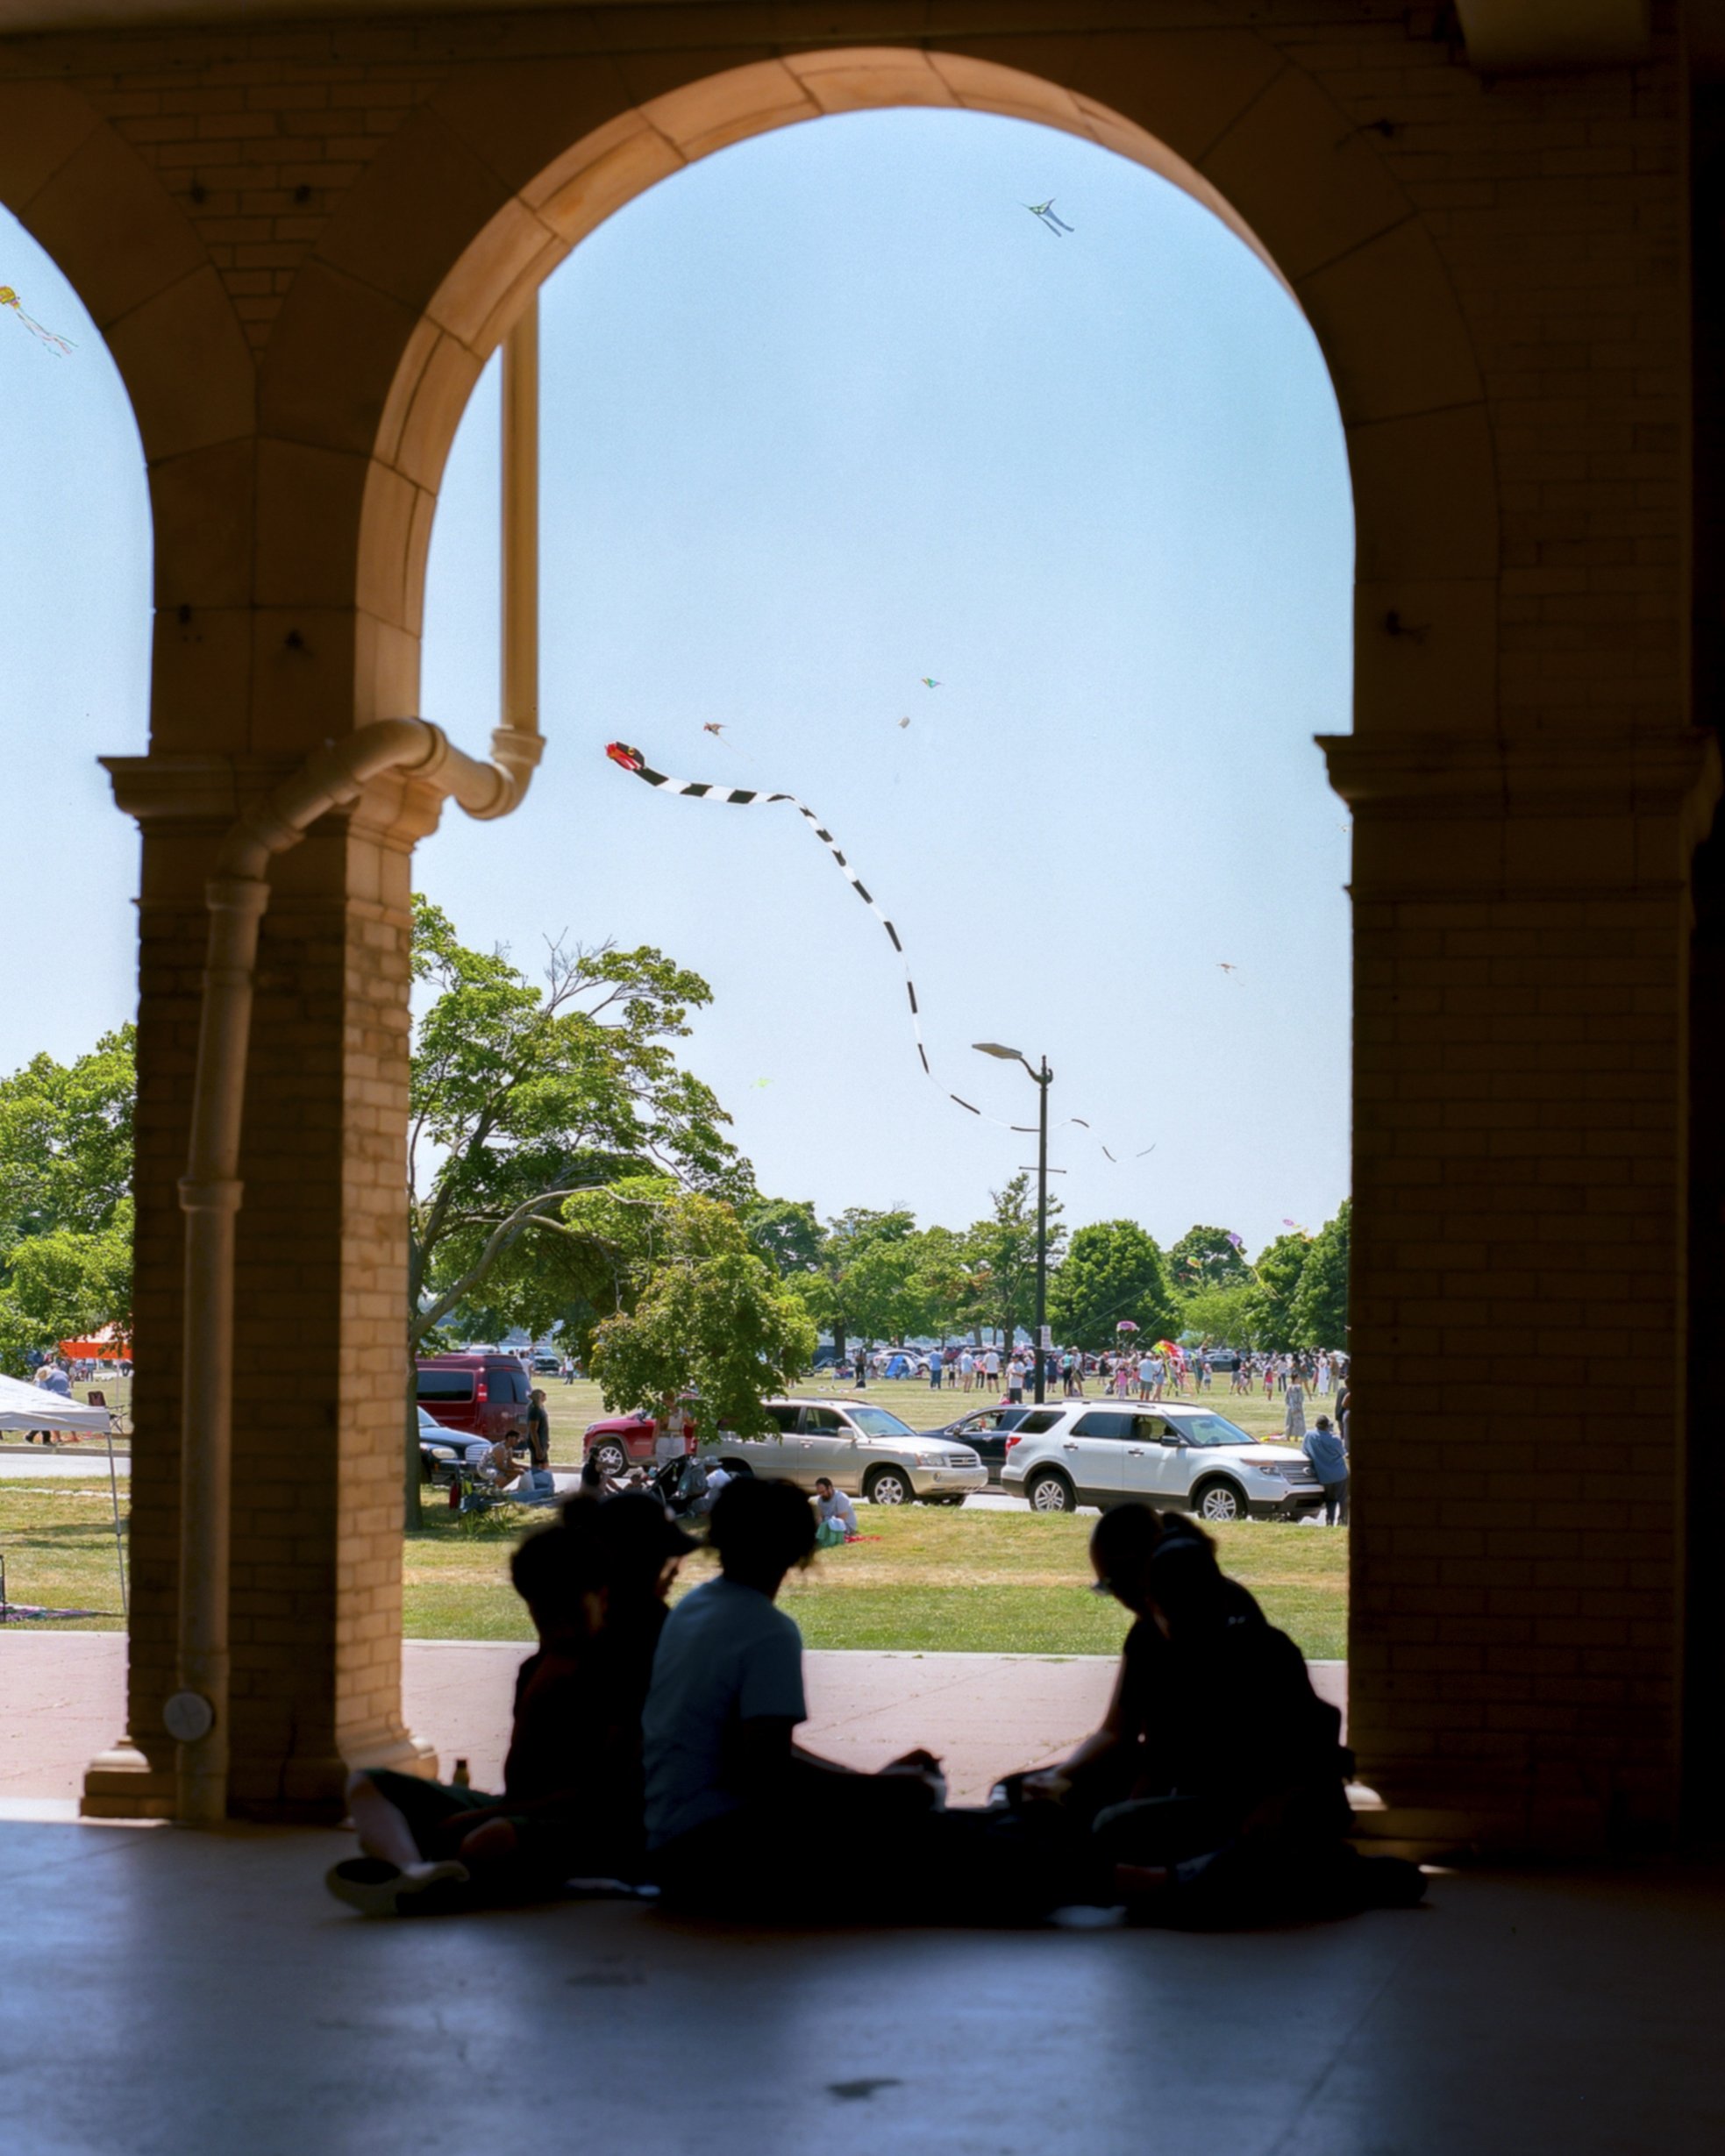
(1527, 796)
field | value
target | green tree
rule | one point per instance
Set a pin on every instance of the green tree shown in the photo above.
(883, 1297)
(1002, 1254)
(1206, 1257)
(851, 1292)
(1277, 1276)
(1318, 1311)
(946, 1290)
(66, 1216)
(785, 1232)
(705, 1314)
(521, 1094)
(1223, 1317)
(1113, 1271)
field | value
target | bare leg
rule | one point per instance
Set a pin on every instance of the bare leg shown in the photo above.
(489, 1848)
(383, 1833)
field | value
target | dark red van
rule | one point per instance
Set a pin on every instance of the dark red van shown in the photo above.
(485, 1395)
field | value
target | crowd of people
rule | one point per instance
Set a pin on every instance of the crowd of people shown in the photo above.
(656, 1747)
(1164, 1371)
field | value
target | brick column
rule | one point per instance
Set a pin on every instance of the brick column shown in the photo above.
(1523, 916)
(321, 1315)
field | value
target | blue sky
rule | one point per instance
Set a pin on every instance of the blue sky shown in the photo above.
(826, 413)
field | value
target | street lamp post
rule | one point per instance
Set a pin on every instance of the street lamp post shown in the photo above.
(1042, 1080)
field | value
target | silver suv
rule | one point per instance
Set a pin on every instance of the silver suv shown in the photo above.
(1176, 1457)
(860, 1448)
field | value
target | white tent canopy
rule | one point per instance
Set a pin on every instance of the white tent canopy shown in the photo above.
(30, 1408)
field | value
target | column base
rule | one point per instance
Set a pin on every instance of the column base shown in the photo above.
(1445, 1815)
(122, 1784)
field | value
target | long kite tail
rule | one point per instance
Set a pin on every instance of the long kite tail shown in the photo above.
(636, 764)
(52, 338)
(631, 760)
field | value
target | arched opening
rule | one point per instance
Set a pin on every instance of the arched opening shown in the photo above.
(1267, 153)
(831, 397)
(76, 569)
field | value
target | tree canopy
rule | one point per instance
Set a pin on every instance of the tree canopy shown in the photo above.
(1318, 1309)
(1002, 1247)
(65, 1210)
(522, 1094)
(703, 1313)
(785, 1232)
(1206, 1257)
(1113, 1269)
(1277, 1277)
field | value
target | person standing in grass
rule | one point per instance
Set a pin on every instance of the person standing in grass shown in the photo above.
(538, 1430)
(1293, 1407)
(1328, 1456)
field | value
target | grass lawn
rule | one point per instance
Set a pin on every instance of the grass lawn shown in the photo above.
(58, 1540)
(976, 1582)
(980, 1582)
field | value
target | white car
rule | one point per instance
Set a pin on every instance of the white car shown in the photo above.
(862, 1450)
(1176, 1457)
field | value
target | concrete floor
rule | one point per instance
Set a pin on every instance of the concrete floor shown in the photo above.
(174, 1995)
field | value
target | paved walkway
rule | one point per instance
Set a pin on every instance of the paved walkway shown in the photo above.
(62, 1699)
(86, 1461)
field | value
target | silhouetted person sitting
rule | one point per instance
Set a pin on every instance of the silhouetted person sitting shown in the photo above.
(740, 1820)
(1215, 1787)
(571, 1798)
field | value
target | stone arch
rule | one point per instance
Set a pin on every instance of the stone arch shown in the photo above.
(506, 169)
(167, 321)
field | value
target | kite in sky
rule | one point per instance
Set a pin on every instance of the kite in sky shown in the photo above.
(636, 765)
(1222, 966)
(928, 681)
(631, 760)
(904, 721)
(713, 726)
(56, 344)
(1044, 214)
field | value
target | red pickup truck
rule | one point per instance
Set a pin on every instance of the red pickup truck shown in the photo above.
(625, 1440)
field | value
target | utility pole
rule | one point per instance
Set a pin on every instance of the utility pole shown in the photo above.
(1042, 1080)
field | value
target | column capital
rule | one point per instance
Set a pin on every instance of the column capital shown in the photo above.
(176, 796)
(1611, 772)
(1577, 815)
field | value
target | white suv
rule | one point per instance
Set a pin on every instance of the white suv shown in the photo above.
(861, 1448)
(1185, 1459)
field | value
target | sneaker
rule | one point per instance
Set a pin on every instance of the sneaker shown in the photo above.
(377, 1888)
(1391, 1883)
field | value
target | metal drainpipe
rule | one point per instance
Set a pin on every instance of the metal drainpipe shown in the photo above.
(197, 1714)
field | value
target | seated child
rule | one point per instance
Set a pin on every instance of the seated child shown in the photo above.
(572, 1798)
(740, 1819)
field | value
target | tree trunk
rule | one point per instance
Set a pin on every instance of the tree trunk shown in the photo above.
(412, 1511)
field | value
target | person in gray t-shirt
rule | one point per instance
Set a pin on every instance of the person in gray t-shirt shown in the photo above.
(739, 1818)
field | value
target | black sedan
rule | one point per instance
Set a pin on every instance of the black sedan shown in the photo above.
(986, 1429)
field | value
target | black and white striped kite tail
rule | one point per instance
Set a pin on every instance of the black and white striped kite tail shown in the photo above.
(753, 797)
(632, 761)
